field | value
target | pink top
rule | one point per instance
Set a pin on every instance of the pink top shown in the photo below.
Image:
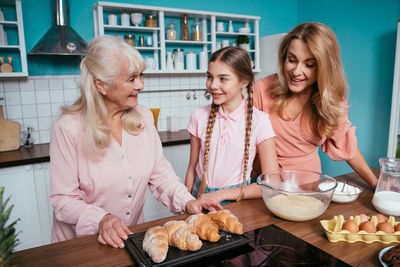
(83, 190)
(226, 155)
(296, 147)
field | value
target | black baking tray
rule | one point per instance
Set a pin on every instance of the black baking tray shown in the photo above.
(177, 257)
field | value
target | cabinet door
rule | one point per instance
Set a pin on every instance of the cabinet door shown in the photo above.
(19, 183)
(42, 181)
(179, 157)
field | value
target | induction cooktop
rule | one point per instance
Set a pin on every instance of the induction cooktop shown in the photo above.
(272, 246)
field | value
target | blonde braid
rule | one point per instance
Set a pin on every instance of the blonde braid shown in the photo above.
(210, 127)
(247, 138)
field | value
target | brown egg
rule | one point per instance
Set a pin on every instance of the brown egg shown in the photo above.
(380, 218)
(397, 227)
(350, 226)
(363, 218)
(368, 227)
(386, 227)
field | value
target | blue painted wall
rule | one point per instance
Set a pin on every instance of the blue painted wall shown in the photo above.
(276, 17)
(366, 30)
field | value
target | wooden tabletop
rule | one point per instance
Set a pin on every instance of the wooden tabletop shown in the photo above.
(86, 251)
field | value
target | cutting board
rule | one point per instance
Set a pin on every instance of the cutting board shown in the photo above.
(10, 132)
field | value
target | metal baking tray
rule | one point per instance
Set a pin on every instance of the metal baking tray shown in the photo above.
(177, 257)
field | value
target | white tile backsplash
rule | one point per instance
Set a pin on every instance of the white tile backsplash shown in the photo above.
(37, 101)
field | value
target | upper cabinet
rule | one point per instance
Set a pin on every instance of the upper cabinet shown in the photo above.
(12, 40)
(177, 40)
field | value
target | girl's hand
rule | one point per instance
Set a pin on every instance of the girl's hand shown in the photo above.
(113, 231)
(203, 202)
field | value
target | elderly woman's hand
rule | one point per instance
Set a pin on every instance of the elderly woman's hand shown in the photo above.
(112, 231)
(203, 202)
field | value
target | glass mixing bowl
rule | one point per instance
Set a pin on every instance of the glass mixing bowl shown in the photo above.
(296, 195)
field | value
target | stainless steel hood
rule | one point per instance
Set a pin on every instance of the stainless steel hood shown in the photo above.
(60, 39)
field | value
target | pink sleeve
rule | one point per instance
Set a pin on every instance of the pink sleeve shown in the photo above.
(343, 144)
(164, 184)
(263, 127)
(65, 195)
(193, 124)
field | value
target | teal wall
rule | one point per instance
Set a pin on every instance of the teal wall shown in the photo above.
(366, 30)
(276, 17)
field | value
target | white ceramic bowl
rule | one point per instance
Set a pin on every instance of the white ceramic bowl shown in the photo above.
(244, 30)
(136, 18)
(296, 195)
(346, 192)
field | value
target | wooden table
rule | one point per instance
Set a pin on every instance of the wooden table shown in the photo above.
(86, 251)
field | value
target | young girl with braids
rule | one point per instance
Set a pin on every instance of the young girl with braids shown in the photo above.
(226, 135)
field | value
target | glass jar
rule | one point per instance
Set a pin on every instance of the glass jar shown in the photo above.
(185, 28)
(196, 30)
(130, 39)
(171, 31)
(151, 21)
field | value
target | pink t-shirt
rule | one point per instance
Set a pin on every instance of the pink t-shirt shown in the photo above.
(296, 146)
(83, 189)
(226, 154)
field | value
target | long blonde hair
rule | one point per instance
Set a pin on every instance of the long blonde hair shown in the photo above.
(239, 61)
(103, 62)
(330, 91)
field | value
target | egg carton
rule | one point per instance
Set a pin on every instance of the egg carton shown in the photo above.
(334, 232)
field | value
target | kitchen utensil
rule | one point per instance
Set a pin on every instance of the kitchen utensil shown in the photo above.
(112, 19)
(194, 95)
(185, 28)
(346, 192)
(156, 112)
(188, 96)
(27, 138)
(386, 198)
(207, 95)
(191, 63)
(10, 133)
(136, 19)
(296, 195)
(6, 67)
(125, 19)
(170, 61)
(178, 59)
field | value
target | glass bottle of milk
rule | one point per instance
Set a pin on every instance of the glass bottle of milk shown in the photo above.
(387, 194)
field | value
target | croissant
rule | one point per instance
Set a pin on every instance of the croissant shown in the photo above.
(180, 235)
(226, 221)
(204, 227)
(155, 243)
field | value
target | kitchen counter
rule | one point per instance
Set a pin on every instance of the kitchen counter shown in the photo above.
(86, 251)
(40, 153)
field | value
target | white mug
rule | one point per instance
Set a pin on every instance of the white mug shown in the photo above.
(191, 63)
(125, 18)
(112, 19)
(203, 60)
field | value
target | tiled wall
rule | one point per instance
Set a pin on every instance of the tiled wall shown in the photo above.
(36, 102)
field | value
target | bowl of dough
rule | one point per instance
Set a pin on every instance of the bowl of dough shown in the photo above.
(346, 192)
(296, 195)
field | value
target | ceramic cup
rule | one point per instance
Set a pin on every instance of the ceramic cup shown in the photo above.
(112, 19)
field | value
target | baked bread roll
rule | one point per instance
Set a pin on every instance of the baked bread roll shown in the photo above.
(204, 227)
(226, 221)
(180, 235)
(155, 243)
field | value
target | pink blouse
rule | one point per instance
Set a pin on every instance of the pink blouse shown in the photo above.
(226, 154)
(84, 189)
(296, 147)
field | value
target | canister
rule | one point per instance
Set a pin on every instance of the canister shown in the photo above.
(125, 19)
(130, 39)
(151, 21)
(191, 63)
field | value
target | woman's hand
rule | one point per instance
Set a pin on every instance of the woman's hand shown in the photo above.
(203, 202)
(113, 231)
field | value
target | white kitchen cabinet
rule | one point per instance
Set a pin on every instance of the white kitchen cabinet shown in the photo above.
(210, 37)
(13, 27)
(179, 156)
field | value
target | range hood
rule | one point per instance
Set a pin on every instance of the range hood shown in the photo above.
(60, 39)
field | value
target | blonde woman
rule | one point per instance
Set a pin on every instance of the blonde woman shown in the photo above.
(307, 102)
(105, 152)
(226, 134)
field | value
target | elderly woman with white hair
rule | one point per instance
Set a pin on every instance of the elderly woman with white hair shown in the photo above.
(105, 152)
